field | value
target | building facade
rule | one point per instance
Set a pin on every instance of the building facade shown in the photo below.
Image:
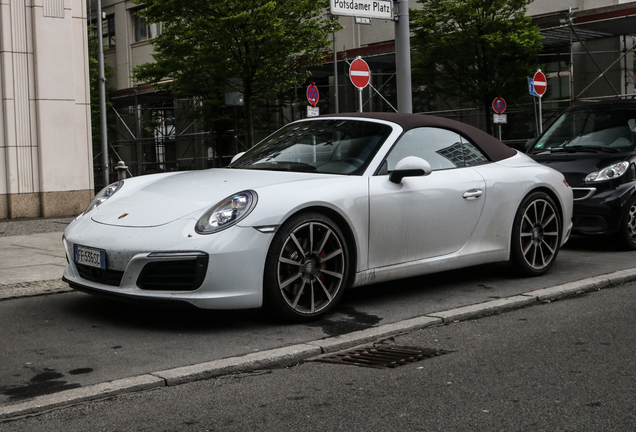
(588, 54)
(46, 165)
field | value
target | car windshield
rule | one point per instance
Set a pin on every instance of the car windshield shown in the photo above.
(592, 129)
(330, 146)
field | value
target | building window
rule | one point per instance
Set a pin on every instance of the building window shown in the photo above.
(108, 31)
(143, 30)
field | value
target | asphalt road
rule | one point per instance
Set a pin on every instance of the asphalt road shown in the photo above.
(73, 340)
(567, 365)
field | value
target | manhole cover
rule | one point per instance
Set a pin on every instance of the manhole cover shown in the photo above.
(382, 356)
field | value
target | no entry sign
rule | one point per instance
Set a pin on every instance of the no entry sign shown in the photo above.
(359, 73)
(540, 83)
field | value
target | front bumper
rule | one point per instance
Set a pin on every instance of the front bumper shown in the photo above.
(600, 212)
(171, 263)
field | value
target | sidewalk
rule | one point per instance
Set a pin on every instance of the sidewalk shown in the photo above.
(32, 257)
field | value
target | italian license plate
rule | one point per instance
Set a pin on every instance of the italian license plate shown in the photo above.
(90, 256)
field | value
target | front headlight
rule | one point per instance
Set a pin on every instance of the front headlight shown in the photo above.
(104, 194)
(611, 172)
(227, 213)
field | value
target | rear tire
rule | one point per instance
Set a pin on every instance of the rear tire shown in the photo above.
(536, 235)
(306, 268)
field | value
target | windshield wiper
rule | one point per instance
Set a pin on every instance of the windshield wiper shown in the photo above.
(583, 148)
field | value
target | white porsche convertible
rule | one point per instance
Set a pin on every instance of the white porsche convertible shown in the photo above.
(321, 205)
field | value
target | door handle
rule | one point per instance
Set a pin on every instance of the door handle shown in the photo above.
(473, 194)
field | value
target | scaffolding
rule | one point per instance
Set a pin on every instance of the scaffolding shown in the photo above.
(587, 56)
(157, 132)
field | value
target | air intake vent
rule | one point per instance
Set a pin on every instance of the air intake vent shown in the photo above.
(107, 277)
(183, 274)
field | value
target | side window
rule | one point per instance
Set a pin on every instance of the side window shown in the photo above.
(442, 148)
(472, 155)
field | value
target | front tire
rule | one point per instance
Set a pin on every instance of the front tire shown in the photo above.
(536, 234)
(627, 230)
(306, 268)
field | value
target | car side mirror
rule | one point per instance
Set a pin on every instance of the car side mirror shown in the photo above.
(410, 166)
(236, 157)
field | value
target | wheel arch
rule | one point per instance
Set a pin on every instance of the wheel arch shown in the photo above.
(517, 257)
(344, 226)
(551, 194)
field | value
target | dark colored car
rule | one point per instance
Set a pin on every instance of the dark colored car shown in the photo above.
(594, 147)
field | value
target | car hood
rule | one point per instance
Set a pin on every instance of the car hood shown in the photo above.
(157, 200)
(576, 166)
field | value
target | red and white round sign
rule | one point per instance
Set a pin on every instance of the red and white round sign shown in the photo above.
(359, 73)
(499, 105)
(540, 83)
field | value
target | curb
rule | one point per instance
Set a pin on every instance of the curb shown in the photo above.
(294, 354)
(31, 289)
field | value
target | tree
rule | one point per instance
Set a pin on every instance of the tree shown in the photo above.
(209, 47)
(474, 50)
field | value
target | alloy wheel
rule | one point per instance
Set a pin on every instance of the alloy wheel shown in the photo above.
(631, 221)
(539, 234)
(311, 267)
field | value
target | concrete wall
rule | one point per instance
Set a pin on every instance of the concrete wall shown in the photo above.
(45, 142)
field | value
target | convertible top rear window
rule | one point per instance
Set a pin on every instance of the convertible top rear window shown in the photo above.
(331, 146)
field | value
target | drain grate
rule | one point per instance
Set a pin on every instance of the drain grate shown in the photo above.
(382, 356)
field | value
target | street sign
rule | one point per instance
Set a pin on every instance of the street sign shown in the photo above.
(500, 118)
(359, 73)
(313, 111)
(531, 88)
(382, 9)
(312, 94)
(540, 83)
(499, 105)
(363, 20)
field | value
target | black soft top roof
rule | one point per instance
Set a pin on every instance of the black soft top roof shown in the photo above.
(494, 149)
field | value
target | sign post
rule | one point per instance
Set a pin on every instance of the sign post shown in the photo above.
(360, 75)
(364, 11)
(539, 85)
(499, 106)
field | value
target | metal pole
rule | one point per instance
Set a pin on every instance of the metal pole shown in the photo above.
(540, 118)
(571, 58)
(499, 131)
(102, 93)
(403, 57)
(536, 116)
(360, 99)
(335, 76)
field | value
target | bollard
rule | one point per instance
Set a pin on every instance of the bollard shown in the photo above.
(121, 170)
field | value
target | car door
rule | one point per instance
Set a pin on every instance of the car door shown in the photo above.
(426, 216)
